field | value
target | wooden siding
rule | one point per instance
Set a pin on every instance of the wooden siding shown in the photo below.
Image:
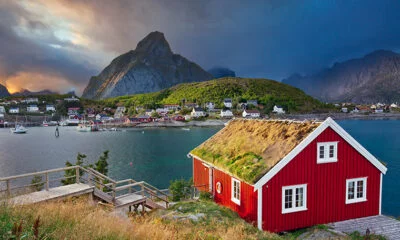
(326, 187)
(248, 198)
(200, 175)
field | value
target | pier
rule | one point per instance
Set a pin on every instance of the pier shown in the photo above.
(86, 181)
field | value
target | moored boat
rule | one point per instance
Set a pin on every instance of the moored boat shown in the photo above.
(19, 129)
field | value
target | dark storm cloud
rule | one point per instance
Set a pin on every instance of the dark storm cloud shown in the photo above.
(270, 39)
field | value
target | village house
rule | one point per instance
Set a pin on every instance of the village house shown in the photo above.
(394, 105)
(278, 110)
(251, 113)
(162, 111)
(103, 117)
(145, 119)
(241, 106)
(355, 110)
(379, 110)
(13, 110)
(210, 106)
(172, 107)
(73, 111)
(30, 100)
(32, 108)
(344, 110)
(252, 102)
(119, 112)
(2, 109)
(226, 113)
(149, 112)
(228, 102)
(179, 118)
(71, 99)
(286, 175)
(198, 112)
(191, 105)
(50, 108)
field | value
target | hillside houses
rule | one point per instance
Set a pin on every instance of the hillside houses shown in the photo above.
(228, 102)
(251, 113)
(198, 112)
(32, 109)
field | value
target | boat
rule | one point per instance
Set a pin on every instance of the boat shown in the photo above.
(186, 129)
(84, 128)
(19, 129)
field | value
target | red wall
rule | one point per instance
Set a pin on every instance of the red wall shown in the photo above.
(248, 201)
(326, 187)
(200, 175)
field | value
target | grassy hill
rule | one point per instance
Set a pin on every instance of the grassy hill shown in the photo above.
(267, 92)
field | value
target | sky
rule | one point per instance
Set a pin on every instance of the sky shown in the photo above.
(60, 44)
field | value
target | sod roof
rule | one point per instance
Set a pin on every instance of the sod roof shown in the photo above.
(248, 149)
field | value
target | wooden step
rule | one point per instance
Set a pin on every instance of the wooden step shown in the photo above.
(152, 205)
(103, 196)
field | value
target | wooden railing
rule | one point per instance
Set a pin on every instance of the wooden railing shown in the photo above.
(114, 189)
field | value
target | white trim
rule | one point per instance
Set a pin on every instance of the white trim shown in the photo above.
(326, 158)
(233, 198)
(356, 200)
(329, 122)
(380, 195)
(293, 208)
(259, 209)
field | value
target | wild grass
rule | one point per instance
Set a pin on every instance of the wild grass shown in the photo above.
(76, 219)
(249, 148)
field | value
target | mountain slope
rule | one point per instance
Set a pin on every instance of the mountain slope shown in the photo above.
(3, 91)
(373, 78)
(267, 92)
(25, 92)
(152, 66)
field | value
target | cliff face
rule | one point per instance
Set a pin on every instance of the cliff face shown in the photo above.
(373, 78)
(3, 91)
(152, 66)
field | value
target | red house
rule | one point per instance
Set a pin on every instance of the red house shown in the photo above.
(285, 175)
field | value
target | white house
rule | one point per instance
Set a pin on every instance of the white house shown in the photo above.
(228, 102)
(71, 99)
(32, 108)
(210, 106)
(344, 109)
(278, 110)
(379, 110)
(198, 112)
(14, 110)
(50, 108)
(149, 112)
(355, 110)
(162, 111)
(226, 114)
(30, 100)
(171, 107)
(251, 113)
(103, 117)
(2, 109)
(394, 105)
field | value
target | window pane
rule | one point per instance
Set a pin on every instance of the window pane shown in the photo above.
(321, 152)
(331, 151)
(288, 198)
(350, 187)
(360, 189)
(299, 197)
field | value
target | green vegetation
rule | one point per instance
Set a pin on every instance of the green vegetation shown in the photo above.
(180, 189)
(267, 92)
(37, 183)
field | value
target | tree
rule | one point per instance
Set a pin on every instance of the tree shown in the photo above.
(102, 165)
(37, 183)
(70, 173)
(180, 189)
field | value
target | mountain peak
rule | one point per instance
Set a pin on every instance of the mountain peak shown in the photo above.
(381, 53)
(154, 44)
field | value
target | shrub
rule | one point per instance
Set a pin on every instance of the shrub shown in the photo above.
(180, 189)
(205, 196)
(37, 183)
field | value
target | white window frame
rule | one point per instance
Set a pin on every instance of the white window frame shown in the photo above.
(326, 158)
(356, 200)
(234, 198)
(293, 208)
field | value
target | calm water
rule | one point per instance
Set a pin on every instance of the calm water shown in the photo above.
(159, 155)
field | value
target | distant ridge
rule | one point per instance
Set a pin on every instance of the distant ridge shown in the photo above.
(373, 78)
(152, 66)
(4, 91)
(25, 93)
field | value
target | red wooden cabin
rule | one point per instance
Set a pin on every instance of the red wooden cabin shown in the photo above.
(285, 175)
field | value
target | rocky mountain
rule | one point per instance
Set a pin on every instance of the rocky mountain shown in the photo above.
(373, 78)
(3, 91)
(220, 72)
(152, 66)
(26, 92)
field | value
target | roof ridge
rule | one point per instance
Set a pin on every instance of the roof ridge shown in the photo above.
(313, 121)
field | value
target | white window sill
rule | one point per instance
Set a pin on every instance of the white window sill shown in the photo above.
(236, 201)
(291, 210)
(356, 200)
(329, 160)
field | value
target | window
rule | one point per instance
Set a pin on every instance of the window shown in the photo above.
(294, 198)
(327, 152)
(356, 190)
(235, 191)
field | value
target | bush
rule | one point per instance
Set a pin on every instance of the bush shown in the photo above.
(37, 183)
(205, 196)
(180, 189)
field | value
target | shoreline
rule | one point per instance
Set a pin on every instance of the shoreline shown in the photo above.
(343, 116)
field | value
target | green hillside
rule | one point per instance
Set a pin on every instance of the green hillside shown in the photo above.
(267, 92)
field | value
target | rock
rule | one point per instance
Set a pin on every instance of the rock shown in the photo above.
(3, 91)
(373, 78)
(152, 66)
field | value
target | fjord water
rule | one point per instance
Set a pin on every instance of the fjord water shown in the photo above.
(159, 155)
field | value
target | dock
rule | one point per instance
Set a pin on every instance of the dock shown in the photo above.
(86, 181)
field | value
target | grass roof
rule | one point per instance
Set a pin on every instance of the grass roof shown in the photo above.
(248, 149)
